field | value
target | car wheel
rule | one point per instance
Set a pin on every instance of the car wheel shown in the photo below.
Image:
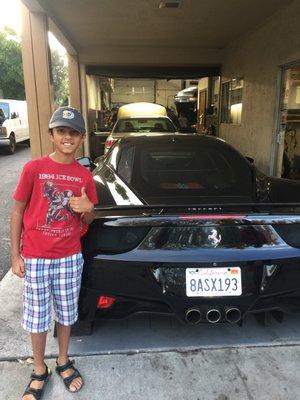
(12, 145)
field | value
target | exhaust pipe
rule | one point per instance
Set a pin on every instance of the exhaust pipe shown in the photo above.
(193, 316)
(213, 315)
(233, 315)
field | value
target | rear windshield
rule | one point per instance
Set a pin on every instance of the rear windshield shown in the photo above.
(181, 170)
(143, 125)
(4, 110)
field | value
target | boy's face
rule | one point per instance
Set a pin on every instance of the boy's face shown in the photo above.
(66, 140)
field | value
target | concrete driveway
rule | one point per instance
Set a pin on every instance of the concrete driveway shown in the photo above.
(156, 358)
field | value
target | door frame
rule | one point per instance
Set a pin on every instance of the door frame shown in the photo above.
(201, 93)
(278, 132)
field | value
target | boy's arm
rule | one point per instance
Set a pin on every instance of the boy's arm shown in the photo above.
(17, 262)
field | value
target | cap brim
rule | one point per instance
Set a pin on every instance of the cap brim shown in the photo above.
(68, 124)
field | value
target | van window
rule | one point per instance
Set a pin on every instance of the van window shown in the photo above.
(4, 107)
(143, 125)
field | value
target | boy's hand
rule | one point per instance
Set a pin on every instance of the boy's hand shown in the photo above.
(81, 204)
(18, 266)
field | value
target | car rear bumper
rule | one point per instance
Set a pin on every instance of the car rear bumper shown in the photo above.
(142, 261)
(138, 288)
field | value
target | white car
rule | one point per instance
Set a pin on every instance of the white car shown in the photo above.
(140, 118)
(13, 124)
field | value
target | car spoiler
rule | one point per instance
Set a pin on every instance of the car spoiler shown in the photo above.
(243, 213)
(204, 208)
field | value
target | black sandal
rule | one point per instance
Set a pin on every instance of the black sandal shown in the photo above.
(69, 379)
(38, 393)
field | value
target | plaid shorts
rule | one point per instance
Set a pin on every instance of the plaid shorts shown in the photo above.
(46, 280)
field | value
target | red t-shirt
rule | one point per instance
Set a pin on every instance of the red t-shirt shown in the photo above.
(51, 229)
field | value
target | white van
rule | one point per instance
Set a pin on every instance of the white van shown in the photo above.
(13, 124)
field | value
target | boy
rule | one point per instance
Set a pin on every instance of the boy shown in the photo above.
(54, 197)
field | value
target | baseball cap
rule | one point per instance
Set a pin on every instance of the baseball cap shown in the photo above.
(67, 116)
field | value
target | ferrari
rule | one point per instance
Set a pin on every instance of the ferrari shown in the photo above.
(187, 226)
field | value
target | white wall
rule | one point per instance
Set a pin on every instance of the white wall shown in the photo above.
(257, 57)
(133, 90)
(149, 90)
(166, 90)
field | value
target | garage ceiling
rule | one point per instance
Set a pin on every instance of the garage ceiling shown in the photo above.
(114, 31)
(212, 23)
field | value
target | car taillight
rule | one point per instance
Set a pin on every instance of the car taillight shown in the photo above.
(105, 301)
(109, 143)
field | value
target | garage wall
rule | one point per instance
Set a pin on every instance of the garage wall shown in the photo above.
(256, 58)
(165, 92)
(149, 90)
(93, 89)
(202, 84)
(133, 90)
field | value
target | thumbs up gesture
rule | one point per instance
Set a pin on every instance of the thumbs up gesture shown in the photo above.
(81, 204)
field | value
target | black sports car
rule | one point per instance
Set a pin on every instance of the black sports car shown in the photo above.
(188, 227)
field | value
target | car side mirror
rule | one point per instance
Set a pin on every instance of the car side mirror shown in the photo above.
(87, 162)
(250, 159)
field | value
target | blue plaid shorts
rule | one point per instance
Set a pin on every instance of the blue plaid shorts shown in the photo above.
(51, 280)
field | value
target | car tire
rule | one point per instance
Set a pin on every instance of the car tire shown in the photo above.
(10, 149)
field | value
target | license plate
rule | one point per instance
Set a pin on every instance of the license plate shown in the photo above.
(211, 282)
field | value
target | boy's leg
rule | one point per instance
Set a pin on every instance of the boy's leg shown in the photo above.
(38, 342)
(37, 313)
(66, 287)
(63, 335)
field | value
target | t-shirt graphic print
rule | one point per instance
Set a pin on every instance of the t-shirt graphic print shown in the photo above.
(58, 207)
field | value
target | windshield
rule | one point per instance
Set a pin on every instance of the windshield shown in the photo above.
(4, 111)
(144, 125)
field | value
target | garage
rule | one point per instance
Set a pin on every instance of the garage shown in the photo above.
(187, 40)
(231, 69)
(178, 94)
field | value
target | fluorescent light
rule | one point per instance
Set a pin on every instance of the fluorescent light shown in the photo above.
(169, 4)
(236, 113)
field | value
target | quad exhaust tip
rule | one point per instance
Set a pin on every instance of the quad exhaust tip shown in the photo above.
(193, 316)
(233, 315)
(213, 315)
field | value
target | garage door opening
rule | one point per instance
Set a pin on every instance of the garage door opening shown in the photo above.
(192, 104)
(288, 136)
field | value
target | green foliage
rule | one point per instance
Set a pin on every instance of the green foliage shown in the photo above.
(11, 71)
(60, 78)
